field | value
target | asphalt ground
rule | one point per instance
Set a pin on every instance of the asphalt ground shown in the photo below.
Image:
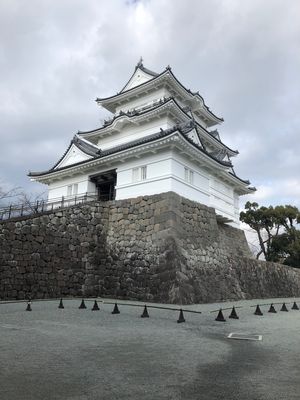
(50, 353)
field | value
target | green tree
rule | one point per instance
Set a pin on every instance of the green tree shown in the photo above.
(276, 228)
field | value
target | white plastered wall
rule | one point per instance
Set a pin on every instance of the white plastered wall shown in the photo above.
(224, 200)
(159, 171)
(166, 171)
(198, 190)
(59, 188)
(146, 100)
(130, 133)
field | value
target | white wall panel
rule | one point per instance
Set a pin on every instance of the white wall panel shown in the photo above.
(130, 132)
(137, 103)
(59, 189)
(144, 188)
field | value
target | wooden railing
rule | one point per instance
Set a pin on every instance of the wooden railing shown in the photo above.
(41, 206)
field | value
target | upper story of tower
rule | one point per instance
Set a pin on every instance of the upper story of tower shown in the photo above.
(145, 88)
(150, 102)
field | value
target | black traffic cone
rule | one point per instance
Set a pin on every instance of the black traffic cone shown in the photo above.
(116, 309)
(283, 308)
(181, 317)
(233, 314)
(82, 305)
(220, 316)
(272, 309)
(28, 308)
(258, 311)
(295, 306)
(61, 305)
(95, 306)
(145, 313)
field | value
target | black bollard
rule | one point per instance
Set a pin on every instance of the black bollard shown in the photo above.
(272, 309)
(258, 311)
(28, 308)
(61, 305)
(295, 306)
(82, 305)
(116, 309)
(233, 314)
(145, 313)
(181, 317)
(283, 308)
(95, 306)
(220, 316)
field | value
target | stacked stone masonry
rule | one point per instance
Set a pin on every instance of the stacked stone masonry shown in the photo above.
(155, 248)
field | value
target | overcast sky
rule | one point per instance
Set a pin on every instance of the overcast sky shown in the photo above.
(56, 57)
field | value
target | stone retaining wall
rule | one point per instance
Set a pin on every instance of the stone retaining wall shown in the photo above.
(160, 248)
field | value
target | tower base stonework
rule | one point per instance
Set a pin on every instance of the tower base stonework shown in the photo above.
(161, 248)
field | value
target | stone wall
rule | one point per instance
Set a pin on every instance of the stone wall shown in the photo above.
(160, 248)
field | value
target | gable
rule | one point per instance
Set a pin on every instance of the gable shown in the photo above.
(73, 156)
(194, 137)
(137, 79)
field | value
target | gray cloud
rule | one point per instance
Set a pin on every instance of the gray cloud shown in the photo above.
(57, 57)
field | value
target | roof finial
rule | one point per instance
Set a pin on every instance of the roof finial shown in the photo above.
(140, 63)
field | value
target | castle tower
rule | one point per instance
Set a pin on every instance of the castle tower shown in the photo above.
(161, 137)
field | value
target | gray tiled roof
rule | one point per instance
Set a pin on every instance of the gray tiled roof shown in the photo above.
(148, 139)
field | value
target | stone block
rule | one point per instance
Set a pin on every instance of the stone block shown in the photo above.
(152, 247)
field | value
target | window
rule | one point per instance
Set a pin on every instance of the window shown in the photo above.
(143, 173)
(69, 190)
(188, 175)
(72, 189)
(139, 174)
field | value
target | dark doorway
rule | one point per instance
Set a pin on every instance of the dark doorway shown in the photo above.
(105, 183)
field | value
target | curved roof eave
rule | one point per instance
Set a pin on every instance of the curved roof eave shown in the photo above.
(233, 152)
(138, 114)
(109, 98)
(63, 156)
(245, 181)
(151, 138)
(196, 94)
(76, 142)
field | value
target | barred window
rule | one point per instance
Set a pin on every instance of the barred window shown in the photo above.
(72, 189)
(69, 190)
(143, 173)
(188, 175)
(139, 174)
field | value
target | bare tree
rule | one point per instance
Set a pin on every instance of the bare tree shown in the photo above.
(31, 201)
(16, 202)
(9, 195)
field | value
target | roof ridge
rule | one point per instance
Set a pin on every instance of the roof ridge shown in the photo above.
(84, 145)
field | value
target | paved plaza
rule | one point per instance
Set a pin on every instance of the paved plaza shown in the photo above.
(53, 354)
